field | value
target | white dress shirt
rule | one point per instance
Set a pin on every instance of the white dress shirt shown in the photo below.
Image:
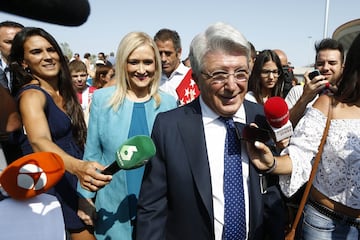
(294, 95)
(170, 84)
(215, 133)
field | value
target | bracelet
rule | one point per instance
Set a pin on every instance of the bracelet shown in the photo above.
(272, 168)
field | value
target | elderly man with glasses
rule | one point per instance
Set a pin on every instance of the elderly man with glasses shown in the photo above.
(200, 184)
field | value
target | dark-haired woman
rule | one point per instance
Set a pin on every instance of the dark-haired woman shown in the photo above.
(52, 118)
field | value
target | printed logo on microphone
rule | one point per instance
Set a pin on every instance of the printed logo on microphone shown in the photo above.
(32, 174)
(280, 119)
(126, 153)
(31, 177)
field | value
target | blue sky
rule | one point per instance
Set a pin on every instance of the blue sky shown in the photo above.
(292, 26)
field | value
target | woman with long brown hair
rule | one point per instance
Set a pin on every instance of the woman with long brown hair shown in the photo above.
(52, 119)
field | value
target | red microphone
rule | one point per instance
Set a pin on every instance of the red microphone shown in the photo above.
(277, 115)
(32, 174)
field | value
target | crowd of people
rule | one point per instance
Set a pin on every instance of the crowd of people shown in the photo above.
(204, 181)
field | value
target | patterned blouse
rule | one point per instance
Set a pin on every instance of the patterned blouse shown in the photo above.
(338, 175)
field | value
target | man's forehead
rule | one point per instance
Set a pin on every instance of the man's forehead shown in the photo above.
(329, 53)
(222, 58)
(7, 29)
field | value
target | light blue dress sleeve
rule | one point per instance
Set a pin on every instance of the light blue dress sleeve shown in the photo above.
(92, 146)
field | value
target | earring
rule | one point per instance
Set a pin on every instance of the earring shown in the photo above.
(27, 69)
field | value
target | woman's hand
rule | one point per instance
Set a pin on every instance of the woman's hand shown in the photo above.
(90, 176)
(263, 159)
(260, 155)
(87, 211)
(283, 143)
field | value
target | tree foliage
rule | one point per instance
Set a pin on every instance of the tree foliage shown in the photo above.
(65, 47)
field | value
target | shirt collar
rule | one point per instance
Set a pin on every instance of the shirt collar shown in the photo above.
(3, 64)
(209, 115)
(180, 70)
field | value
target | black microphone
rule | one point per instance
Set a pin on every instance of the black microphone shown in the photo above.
(251, 134)
(61, 12)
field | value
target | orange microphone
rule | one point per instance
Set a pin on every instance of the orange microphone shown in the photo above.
(32, 174)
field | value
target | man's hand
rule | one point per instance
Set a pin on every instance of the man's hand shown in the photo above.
(313, 87)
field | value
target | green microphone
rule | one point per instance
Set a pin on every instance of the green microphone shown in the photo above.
(133, 153)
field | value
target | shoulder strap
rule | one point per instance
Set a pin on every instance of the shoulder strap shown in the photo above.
(313, 171)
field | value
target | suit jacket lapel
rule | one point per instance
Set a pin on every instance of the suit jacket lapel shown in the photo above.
(255, 199)
(199, 164)
(196, 151)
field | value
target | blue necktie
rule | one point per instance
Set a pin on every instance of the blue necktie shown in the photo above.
(235, 222)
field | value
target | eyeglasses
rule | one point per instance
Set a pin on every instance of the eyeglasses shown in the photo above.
(267, 72)
(222, 77)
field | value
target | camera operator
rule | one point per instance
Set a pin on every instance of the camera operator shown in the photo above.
(287, 71)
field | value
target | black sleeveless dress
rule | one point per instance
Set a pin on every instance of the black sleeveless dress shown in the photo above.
(61, 132)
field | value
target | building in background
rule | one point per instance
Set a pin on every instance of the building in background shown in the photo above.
(346, 33)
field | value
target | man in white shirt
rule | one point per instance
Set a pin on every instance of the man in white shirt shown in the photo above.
(329, 60)
(186, 192)
(176, 77)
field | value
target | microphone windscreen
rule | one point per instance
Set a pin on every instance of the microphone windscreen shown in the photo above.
(32, 174)
(135, 152)
(61, 12)
(276, 112)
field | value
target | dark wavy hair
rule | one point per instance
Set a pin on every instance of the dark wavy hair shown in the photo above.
(329, 43)
(65, 85)
(255, 85)
(349, 84)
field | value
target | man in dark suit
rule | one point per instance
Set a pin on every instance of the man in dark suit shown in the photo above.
(182, 194)
(8, 30)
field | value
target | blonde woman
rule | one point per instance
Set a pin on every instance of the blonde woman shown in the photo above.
(117, 113)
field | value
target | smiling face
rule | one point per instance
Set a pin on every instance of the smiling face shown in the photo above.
(141, 69)
(223, 98)
(41, 58)
(328, 62)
